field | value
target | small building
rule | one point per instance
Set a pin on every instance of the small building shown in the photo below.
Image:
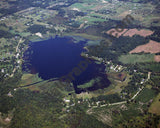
(111, 67)
(143, 80)
(10, 94)
(2, 70)
(18, 61)
(98, 102)
(17, 55)
(67, 101)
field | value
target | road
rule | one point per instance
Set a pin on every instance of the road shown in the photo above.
(122, 102)
(17, 48)
(140, 89)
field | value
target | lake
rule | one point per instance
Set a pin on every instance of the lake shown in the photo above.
(56, 57)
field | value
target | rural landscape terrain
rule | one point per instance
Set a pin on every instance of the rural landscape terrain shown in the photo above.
(122, 38)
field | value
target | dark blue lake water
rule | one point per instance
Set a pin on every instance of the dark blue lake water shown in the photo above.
(57, 57)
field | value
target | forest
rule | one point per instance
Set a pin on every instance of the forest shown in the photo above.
(7, 85)
(37, 28)
(4, 33)
(45, 108)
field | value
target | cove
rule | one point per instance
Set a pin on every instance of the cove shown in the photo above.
(56, 57)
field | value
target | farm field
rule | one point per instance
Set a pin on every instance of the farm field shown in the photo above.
(155, 105)
(151, 47)
(131, 32)
(153, 67)
(142, 32)
(135, 58)
(146, 95)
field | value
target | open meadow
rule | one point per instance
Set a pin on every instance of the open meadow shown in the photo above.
(136, 58)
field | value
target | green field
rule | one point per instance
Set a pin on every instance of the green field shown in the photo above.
(87, 85)
(135, 58)
(82, 6)
(155, 105)
(153, 67)
(146, 95)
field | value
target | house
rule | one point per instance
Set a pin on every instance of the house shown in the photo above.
(72, 104)
(111, 67)
(9, 94)
(2, 70)
(18, 61)
(143, 80)
(17, 55)
(67, 101)
(135, 70)
(98, 102)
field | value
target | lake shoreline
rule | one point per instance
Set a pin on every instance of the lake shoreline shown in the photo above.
(43, 55)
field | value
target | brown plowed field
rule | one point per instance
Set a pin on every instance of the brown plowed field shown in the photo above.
(142, 32)
(151, 47)
(131, 32)
(115, 32)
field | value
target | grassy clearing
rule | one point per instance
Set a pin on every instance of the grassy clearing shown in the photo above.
(116, 85)
(82, 6)
(29, 79)
(91, 19)
(131, 112)
(153, 67)
(89, 84)
(146, 95)
(86, 95)
(155, 105)
(117, 76)
(135, 58)
(86, 36)
(96, 42)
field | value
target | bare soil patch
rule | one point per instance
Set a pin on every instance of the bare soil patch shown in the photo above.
(151, 47)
